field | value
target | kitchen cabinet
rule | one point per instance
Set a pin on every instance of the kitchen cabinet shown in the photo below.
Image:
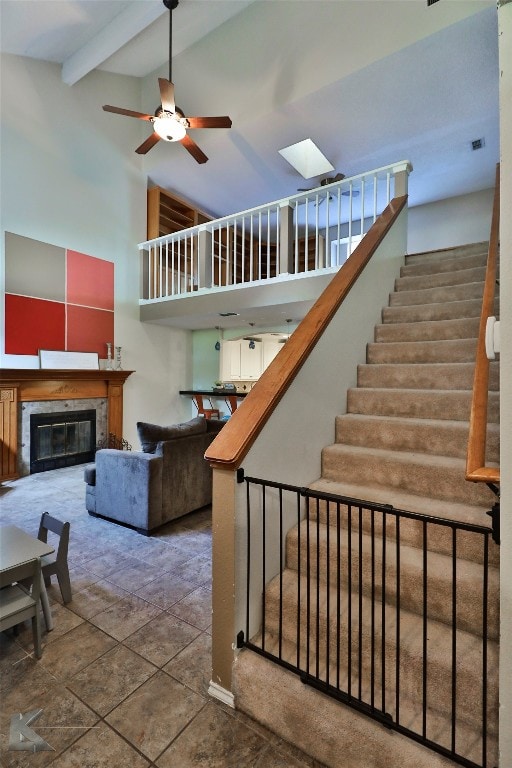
(251, 360)
(240, 362)
(270, 349)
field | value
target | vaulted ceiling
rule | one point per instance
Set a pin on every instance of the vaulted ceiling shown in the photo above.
(370, 81)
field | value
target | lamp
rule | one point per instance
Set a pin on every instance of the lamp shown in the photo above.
(169, 127)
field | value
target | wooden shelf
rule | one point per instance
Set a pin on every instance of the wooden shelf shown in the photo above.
(168, 213)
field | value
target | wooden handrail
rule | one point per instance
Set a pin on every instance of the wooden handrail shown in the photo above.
(476, 470)
(232, 444)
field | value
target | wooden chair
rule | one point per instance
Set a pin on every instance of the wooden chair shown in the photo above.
(208, 413)
(56, 563)
(19, 602)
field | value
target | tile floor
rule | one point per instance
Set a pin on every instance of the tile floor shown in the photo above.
(124, 675)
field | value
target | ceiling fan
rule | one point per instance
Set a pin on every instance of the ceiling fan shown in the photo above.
(324, 182)
(169, 121)
(331, 180)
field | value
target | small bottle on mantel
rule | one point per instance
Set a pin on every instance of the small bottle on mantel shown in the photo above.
(118, 359)
(109, 366)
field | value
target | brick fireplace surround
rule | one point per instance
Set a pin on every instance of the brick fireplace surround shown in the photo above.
(19, 385)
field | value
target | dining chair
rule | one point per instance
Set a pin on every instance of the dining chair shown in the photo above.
(56, 563)
(19, 602)
(208, 413)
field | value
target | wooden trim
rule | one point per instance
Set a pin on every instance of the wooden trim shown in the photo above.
(231, 445)
(476, 470)
(19, 385)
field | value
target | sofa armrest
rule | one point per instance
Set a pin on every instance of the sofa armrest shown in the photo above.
(129, 487)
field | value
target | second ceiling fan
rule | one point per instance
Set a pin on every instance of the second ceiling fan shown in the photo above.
(169, 121)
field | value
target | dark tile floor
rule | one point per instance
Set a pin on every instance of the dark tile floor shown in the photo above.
(124, 675)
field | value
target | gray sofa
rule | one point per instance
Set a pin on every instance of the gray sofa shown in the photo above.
(168, 478)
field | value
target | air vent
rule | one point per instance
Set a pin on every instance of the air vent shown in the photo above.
(477, 144)
(228, 314)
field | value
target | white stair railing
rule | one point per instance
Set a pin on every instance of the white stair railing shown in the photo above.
(307, 233)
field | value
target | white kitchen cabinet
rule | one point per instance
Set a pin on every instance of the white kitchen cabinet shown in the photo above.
(238, 362)
(270, 350)
(251, 360)
(230, 360)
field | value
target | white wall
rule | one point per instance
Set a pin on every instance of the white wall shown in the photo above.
(505, 28)
(454, 221)
(70, 177)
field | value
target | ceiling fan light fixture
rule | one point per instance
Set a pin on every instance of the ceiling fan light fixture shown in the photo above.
(169, 128)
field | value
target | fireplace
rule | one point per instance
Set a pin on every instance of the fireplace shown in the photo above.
(61, 439)
(25, 392)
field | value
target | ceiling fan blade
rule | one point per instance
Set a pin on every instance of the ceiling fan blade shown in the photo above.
(194, 150)
(127, 112)
(148, 144)
(167, 94)
(209, 122)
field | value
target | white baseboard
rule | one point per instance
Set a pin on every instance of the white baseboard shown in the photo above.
(217, 692)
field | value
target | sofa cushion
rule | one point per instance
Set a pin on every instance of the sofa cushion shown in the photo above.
(152, 434)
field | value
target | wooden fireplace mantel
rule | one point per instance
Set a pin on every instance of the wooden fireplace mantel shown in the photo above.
(18, 385)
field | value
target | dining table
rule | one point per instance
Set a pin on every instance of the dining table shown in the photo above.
(18, 547)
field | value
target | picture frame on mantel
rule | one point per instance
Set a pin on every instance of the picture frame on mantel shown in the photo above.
(58, 359)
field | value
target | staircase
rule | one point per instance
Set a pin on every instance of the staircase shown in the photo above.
(402, 442)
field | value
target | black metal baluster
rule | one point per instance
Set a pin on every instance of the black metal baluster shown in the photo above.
(372, 620)
(397, 602)
(360, 603)
(349, 598)
(317, 642)
(338, 593)
(263, 561)
(383, 615)
(298, 497)
(454, 636)
(248, 593)
(280, 573)
(485, 618)
(308, 587)
(328, 586)
(425, 599)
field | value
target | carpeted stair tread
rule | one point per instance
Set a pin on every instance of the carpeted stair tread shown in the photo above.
(445, 438)
(323, 607)
(443, 255)
(433, 266)
(428, 330)
(442, 477)
(438, 279)
(324, 540)
(356, 514)
(399, 498)
(422, 375)
(440, 310)
(437, 295)
(443, 351)
(295, 711)
(417, 403)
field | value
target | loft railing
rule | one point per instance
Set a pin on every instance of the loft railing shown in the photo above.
(476, 468)
(303, 234)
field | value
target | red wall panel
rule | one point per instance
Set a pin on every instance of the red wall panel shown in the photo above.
(88, 330)
(33, 324)
(89, 281)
